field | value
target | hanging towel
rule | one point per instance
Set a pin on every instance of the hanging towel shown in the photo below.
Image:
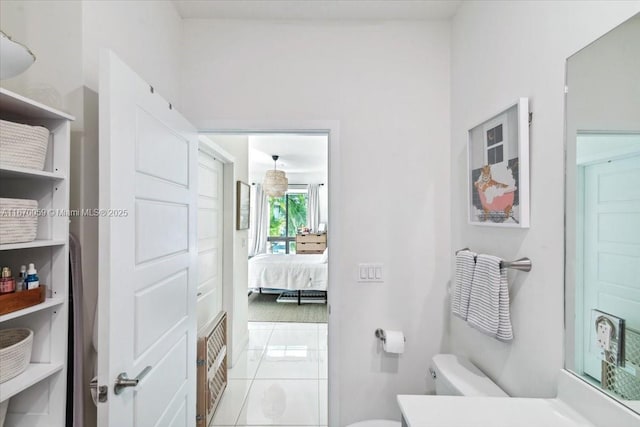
(465, 263)
(489, 299)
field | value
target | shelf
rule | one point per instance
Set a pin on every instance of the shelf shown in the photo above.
(48, 303)
(17, 172)
(35, 373)
(34, 244)
(17, 104)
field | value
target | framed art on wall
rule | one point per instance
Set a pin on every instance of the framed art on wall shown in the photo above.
(243, 203)
(498, 168)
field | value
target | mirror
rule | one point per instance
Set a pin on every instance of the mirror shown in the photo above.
(602, 208)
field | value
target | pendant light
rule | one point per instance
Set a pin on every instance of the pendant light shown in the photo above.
(275, 182)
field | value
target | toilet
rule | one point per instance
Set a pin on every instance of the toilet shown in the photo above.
(454, 376)
(457, 376)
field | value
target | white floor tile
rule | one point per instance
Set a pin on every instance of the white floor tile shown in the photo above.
(281, 402)
(246, 365)
(323, 366)
(231, 402)
(258, 338)
(323, 405)
(292, 338)
(289, 362)
(323, 338)
(261, 325)
(296, 326)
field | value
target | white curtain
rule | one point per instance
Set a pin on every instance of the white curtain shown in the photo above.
(259, 222)
(313, 206)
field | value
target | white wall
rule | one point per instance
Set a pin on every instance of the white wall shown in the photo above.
(502, 51)
(238, 147)
(144, 34)
(387, 85)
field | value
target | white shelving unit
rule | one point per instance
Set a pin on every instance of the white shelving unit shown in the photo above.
(37, 397)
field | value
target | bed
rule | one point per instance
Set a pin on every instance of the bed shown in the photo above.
(293, 272)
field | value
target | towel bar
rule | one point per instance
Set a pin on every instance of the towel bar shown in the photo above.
(522, 264)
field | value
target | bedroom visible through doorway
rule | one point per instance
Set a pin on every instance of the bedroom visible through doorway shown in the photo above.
(288, 238)
(287, 287)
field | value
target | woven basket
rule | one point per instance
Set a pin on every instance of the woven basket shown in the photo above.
(23, 145)
(15, 352)
(18, 220)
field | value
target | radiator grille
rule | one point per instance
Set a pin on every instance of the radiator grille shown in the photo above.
(212, 369)
(624, 382)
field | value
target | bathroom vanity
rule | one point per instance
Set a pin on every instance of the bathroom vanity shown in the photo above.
(576, 405)
(459, 411)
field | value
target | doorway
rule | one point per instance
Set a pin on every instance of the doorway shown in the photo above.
(285, 359)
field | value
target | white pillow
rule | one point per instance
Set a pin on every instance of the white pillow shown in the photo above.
(325, 256)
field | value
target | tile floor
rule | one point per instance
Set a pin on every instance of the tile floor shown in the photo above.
(280, 378)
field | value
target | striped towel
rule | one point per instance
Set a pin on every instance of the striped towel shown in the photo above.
(489, 300)
(465, 263)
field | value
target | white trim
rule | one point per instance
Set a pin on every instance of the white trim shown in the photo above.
(228, 245)
(332, 128)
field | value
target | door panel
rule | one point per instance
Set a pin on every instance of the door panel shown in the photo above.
(611, 248)
(160, 152)
(147, 259)
(210, 215)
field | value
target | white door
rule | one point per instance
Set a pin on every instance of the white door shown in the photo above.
(611, 248)
(147, 259)
(210, 219)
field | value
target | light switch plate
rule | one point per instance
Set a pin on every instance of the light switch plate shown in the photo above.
(370, 273)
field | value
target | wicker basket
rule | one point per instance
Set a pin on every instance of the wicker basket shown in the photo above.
(18, 220)
(23, 145)
(15, 352)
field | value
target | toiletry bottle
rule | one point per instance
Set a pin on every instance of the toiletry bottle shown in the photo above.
(32, 277)
(7, 282)
(22, 279)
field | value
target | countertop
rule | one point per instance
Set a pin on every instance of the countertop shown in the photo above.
(459, 411)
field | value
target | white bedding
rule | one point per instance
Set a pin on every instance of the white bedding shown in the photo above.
(288, 272)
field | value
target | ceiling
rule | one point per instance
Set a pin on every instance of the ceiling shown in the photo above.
(304, 158)
(374, 10)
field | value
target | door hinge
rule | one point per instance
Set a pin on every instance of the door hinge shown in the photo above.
(102, 390)
(103, 393)
(199, 418)
(200, 362)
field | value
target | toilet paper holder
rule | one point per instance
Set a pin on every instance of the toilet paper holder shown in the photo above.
(380, 334)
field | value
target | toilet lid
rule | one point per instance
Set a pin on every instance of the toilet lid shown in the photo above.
(376, 423)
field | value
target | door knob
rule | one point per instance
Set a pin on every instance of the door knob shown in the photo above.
(124, 381)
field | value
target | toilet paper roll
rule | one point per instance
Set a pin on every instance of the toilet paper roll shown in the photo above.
(394, 342)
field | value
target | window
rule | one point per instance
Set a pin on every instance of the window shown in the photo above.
(286, 215)
(495, 145)
(495, 138)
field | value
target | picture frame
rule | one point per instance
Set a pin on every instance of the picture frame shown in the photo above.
(243, 205)
(498, 169)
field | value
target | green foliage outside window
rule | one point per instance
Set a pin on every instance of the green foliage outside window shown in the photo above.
(278, 215)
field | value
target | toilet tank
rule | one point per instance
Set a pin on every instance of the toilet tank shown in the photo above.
(457, 376)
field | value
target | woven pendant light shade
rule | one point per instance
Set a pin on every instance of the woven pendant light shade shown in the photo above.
(275, 182)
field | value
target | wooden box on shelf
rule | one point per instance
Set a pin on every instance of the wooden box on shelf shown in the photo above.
(311, 243)
(18, 300)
